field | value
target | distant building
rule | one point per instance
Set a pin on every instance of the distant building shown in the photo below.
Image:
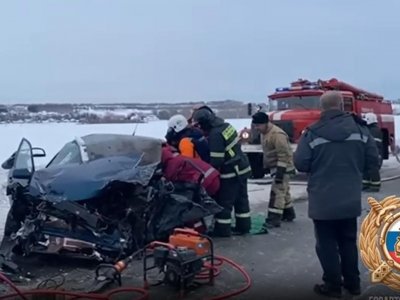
(58, 108)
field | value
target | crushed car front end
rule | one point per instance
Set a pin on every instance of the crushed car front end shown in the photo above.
(101, 197)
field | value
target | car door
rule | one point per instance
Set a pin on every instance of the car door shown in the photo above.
(23, 167)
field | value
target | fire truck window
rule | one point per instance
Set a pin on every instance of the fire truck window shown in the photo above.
(348, 104)
(307, 102)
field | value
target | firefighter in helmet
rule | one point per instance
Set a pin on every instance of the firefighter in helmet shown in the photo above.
(372, 180)
(187, 140)
(278, 159)
(227, 157)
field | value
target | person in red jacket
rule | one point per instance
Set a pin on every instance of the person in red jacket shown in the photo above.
(179, 168)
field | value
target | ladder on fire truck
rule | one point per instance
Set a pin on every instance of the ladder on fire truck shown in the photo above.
(334, 84)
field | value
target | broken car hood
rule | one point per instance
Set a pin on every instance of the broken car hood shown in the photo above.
(133, 160)
(84, 181)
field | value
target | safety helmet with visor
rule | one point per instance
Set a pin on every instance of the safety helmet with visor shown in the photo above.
(370, 118)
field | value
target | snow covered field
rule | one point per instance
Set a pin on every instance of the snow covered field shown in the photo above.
(52, 136)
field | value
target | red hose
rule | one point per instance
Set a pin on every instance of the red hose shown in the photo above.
(145, 295)
(205, 274)
(12, 285)
(242, 271)
(93, 296)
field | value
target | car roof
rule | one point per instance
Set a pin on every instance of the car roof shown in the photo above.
(104, 145)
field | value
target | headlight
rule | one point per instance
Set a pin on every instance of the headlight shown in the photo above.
(245, 135)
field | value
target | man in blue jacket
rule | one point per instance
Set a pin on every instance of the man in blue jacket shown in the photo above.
(335, 152)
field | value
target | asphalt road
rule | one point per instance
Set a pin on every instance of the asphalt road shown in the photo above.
(282, 264)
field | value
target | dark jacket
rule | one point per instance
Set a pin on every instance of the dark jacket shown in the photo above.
(376, 133)
(335, 152)
(225, 152)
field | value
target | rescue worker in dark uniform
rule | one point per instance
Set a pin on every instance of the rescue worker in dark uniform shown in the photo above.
(334, 152)
(227, 157)
(372, 179)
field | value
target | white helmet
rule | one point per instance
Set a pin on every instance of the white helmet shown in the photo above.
(177, 123)
(370, 118)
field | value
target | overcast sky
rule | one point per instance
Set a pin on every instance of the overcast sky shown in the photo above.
(184, 50)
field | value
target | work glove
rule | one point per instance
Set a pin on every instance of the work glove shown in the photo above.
(280, 172)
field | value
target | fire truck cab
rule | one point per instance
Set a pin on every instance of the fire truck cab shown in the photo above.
(296, 107)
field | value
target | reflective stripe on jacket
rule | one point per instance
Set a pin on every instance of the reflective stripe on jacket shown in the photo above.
(335, 152)
(225, 150)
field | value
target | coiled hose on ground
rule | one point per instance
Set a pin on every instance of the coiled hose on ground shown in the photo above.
(144, 294)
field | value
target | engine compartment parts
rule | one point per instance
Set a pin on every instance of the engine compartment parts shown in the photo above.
(104, 208)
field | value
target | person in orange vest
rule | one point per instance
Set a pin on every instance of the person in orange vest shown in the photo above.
(189, 141)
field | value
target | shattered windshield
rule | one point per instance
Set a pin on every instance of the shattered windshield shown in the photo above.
(70, 153)
(297, 102)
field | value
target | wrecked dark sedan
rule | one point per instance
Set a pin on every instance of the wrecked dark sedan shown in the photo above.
(102, 196)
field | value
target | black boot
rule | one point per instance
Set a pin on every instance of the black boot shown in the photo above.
(289, 214)
(242, 227)
(273, 220)
(324, 290)
(221, 230)
(355, 291)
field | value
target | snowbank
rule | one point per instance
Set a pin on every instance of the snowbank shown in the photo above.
(122, 113)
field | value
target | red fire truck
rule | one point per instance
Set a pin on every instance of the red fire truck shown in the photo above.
(296, 107)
